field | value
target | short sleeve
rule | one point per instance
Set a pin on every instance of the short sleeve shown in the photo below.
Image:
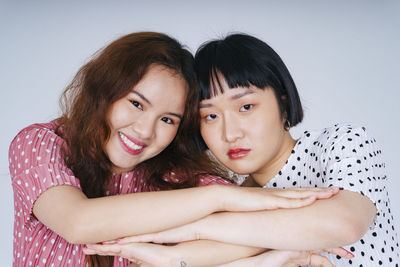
(210, 180)
(354, 162)
(205, 179)
(36, 164)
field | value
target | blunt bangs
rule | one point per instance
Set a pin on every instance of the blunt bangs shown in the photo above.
(236, 65)
(243, 60)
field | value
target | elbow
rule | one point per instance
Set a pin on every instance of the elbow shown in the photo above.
(78, 230)
(353, 219)
(74, 234)
(349, 230)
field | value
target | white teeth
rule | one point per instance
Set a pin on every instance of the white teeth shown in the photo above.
(129, 143)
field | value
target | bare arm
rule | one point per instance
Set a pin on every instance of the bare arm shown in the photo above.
(338, 221)
(211, 253)
(69, 213)
(334, 222)
(192, 253)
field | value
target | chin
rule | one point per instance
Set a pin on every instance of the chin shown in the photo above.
(241, 170)
(121, 167)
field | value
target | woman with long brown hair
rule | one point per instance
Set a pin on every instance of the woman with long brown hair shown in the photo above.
(129, 117)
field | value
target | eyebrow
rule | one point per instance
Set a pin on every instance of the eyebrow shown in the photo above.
(234, 97)
(242, 94)
(142, 97)
(179, 116)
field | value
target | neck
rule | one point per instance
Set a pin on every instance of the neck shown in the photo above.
(271, 169)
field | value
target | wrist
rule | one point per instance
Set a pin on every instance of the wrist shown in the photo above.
(222, 197)
(201, 228)
(217, 195)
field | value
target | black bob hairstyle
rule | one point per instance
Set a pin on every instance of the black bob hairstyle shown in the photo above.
(244, 60)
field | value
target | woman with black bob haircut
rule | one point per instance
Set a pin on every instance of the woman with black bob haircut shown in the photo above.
(248, 102)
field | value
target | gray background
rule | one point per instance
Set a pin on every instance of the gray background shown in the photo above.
(344, 57)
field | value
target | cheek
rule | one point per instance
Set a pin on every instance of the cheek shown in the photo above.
(210, 137)
(120, 115)
(115, 119)
(166, 136)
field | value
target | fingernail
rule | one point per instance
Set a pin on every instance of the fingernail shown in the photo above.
(108, 242)
(349, 253)
(121, 241)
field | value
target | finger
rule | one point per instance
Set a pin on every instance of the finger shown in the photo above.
(291, 203)
(316, 189)
(175, 235)
(88, 251)
(124, 251)
(145, 252)
(138, 252)
(340, 252)
(136, 239)
(319, 193)
(114, 249)
(320, 261)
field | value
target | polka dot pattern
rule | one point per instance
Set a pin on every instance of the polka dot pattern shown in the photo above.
(36, 164)
(348, 157)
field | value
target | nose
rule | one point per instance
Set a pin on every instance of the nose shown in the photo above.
(144, 127)
(232, 130)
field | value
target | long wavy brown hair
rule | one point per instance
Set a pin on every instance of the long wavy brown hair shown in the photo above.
(109, 76)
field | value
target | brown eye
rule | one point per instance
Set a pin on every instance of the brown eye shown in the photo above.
(210, 117)
(167, 120)
(246, 107)
(136, 104)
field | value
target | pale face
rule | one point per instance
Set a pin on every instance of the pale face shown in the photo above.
(144, 122)
(243, 128)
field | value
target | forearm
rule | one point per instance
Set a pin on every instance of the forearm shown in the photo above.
(210, 253)
(134, 214)
(69, 213)
(334, 222)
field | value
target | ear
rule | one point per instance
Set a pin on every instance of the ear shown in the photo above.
(285, 116)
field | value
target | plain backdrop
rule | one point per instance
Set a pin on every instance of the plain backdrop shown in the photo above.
(344, 57)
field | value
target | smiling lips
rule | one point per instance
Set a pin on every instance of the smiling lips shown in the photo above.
(130, 145)
(237, 153)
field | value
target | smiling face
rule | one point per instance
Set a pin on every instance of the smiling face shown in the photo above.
(244, 129)
(144, 122)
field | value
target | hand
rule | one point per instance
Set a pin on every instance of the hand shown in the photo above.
(285, 258)
(252, 199)
(140, 254)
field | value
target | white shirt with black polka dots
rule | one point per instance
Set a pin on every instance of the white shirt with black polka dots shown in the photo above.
(348, 157)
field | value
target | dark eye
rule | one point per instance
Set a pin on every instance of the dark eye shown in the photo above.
(210, 117)
(167, 120)
(246, 107)
(136, 104)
